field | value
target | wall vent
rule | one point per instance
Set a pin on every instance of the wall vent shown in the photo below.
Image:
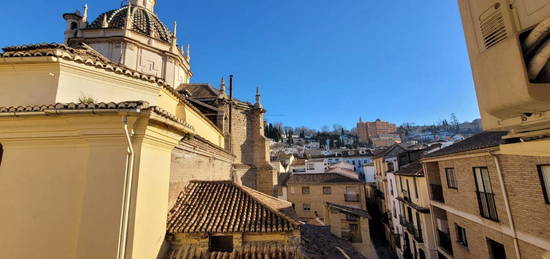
(492, 27)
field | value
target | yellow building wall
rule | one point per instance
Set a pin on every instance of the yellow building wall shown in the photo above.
(151, 194)
(317, 199)
(26, 82)
(64, 178)
(63, 186)
(203, 128)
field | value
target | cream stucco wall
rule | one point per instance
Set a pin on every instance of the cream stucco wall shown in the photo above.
(25, 82)
(64, 176)
(53, 80)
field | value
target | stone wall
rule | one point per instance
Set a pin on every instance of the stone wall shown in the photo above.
(197, 159)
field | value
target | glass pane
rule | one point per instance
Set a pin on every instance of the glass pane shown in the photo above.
(546, 178)
(479, 180)
(486, 181)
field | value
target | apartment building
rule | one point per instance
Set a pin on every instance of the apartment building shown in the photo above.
(309, 193)
(488, 203)
(351, 224)
(415, 217)
(386, 163)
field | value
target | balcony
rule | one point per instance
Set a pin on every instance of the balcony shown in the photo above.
(445, 242)
(353, 197)
(437, 193)
(487, 206)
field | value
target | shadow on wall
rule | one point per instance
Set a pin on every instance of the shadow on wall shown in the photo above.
(1, 153)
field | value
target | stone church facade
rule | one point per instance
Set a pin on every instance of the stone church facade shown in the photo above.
(135, 37)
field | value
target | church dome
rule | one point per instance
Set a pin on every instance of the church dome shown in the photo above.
(143, 21)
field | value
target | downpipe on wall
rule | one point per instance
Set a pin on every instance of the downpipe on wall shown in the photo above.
(127, 192)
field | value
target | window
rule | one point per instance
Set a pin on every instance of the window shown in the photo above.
(544, 172)
(353, 227)
(310, 167)
(391, 187)
(74, 25)
(390, 166)
(496, 249)
(394, 210)
(305, 189)
(418, 231)
(220, 243)
(291, 189)
(1, 153)
(307, 207)
(350, 217)
(327, 190)
(461, 236)
(451, 180)
(485, 195)
(415, 188)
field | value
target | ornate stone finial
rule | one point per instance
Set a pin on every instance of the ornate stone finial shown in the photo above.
(175, 29)
(129, 16)
(104, 23)
(222, 86)
(360, 119)
(258, 96)
(188, 52)
(85, 15)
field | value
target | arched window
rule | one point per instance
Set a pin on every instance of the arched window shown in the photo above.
(74, 26)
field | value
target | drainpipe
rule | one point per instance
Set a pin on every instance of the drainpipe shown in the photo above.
(127, 192)
(507, 205)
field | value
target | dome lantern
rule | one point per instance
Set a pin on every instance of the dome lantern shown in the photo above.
(147, 4)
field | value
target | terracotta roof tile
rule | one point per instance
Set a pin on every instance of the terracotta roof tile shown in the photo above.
(136, 106)
(223, 206)
(247, 251)
(143, 21)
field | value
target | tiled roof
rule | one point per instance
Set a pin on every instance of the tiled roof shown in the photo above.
(411, 169)
(347, 209)
(199, 90)
(130, 105)
(247, 251)
(320, 178)
(223, 206)
(482, 140)
(142, 21)
(136, 106)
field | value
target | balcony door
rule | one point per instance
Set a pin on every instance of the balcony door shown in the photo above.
(485, 195)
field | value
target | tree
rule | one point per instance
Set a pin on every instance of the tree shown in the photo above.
(454, 122)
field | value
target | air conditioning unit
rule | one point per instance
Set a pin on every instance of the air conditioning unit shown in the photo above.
(509, 48)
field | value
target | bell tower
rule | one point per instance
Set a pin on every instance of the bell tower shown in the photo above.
(147, 4)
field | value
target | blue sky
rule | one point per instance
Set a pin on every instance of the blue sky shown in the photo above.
(316, 62)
